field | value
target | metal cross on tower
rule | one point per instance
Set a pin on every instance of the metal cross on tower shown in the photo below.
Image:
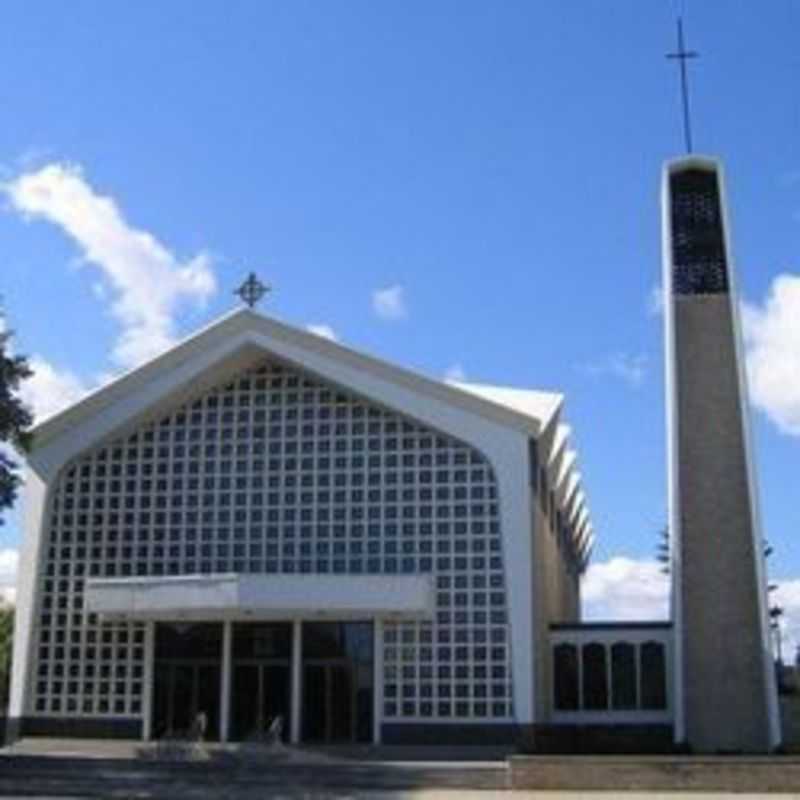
(683, 55)
(252, 290)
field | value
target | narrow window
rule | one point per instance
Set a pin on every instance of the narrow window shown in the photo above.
(653, 676)
(595, 679)
(565, 680)
(623, 676)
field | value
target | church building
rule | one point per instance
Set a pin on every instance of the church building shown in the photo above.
(263, 523)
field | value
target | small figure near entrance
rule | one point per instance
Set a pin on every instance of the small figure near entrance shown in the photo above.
(182, 744)
(275, 731)
(272, 734)
(197, 730)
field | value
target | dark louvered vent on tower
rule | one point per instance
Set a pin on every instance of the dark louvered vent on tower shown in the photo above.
(698, 245)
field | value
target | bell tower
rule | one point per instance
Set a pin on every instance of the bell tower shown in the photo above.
(725, 694)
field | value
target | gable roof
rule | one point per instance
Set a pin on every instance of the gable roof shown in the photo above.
(525, 410)
(239, 339)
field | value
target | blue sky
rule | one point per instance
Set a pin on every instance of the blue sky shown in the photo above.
(495, 165)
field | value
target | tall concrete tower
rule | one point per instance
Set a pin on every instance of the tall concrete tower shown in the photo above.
(725, 694)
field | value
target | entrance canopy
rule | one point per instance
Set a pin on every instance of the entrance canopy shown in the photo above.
(229, 596)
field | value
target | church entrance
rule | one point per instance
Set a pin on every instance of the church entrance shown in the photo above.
(186, 680)
(337, 681)
(333, 701)
(261, 690)
(329, 699)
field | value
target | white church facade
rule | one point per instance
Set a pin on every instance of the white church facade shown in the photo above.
(263, 523)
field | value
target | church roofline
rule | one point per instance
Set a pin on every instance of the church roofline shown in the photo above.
(530, 403)
(516, 408)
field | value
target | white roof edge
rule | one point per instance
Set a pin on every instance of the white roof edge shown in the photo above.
(577, 506)
(560, 440)
(125, 376)
(568, 464)
(573, 485)
(534, 404)
(470, 397)
(569, 504)
(582, 538)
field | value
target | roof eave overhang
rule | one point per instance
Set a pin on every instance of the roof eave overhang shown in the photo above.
(245, 328)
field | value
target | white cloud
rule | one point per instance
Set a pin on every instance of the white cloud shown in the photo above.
(146, 282)
(390, 303)
(655, 301)
(787, 596)
(325, 331)
(455, 374)
(49, 389)
(772, 346)
(9, 559)
(628, 367)
(625, 589)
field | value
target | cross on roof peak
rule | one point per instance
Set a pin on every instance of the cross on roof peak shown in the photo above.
(252, 290)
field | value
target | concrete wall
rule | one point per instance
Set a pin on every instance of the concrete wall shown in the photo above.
(723, 644)
(656, 773)
(790, 722)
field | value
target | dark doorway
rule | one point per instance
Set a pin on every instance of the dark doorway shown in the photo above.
(329, 702)
(261, 678)
(337, 681)
(186, 680)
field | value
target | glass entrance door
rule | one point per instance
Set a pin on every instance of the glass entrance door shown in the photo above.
(261, 682)
(186, 680)
(260, 695)
(329, 702)
(182, 691)
(337, 681)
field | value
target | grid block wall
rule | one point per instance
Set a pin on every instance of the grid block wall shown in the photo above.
(276, 473)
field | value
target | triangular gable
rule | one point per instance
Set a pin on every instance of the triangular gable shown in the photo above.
(237, 341)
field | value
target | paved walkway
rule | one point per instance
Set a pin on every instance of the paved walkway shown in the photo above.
(134, 749)
(97, 768)
(59, 768)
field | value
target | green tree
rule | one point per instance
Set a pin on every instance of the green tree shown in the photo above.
(6, 643)
(15, 416)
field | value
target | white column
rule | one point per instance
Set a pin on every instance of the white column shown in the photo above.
(525, 593)
(147, 685)
(225, 683)
(297, 676)
(377, 679)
